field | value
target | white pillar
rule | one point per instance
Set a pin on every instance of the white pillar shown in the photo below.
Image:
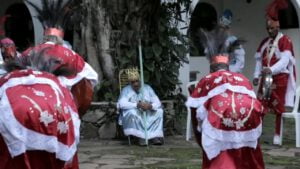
(38, 28)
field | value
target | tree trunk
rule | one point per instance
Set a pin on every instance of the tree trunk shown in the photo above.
(103, 39)
(92, 56)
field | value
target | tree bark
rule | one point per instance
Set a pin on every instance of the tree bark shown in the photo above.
(92, 57)
(103, 39)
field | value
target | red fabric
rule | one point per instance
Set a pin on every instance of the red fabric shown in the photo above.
(29, 160)
(242, 158)
(280, 81)
(74, 164)
(277, 99)
(207, 83)
(83, 95)
(284, 44)
(29, 117)
(83, 89)
(274, 7)
(67, 56)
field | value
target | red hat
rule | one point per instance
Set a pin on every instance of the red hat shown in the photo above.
(7, 41)
(220, 59)
(273, 10)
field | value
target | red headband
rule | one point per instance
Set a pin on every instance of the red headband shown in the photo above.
(54, 32)
(220, 59)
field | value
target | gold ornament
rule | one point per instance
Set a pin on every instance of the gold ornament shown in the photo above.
(133, 74)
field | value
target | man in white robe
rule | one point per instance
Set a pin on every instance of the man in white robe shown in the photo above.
(133, 102)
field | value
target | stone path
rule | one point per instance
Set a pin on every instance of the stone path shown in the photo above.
(180, 154)
(175, 154)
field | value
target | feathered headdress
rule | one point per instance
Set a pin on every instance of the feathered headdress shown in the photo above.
(54, 15)
(217, 49)
(273, 9)
(41, 61)
(214, 43)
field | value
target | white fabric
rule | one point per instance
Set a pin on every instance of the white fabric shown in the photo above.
(214, 147)
(198, 102)
(20, 138)
(215, 140)
(87, 72)
(258, 65)
(240, 60)
(274, 47)
(141, 134)
(125, 102)
(238, 56)
(281, 65)
(291, 87)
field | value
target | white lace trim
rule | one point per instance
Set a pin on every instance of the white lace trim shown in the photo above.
(198, 102)
(141, 134)
(20, 138)
(231, 136)
(213, 147)
(87, 72)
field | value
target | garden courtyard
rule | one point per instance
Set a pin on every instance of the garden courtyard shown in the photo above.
(180, 154)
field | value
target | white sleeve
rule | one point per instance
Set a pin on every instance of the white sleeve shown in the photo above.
(258, 65)
(124, 103)
(282, 64)
(156, 104)
(240, 60)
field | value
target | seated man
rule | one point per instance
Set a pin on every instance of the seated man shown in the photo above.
(133, 102)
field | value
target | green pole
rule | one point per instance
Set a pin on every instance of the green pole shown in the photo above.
(142, 89)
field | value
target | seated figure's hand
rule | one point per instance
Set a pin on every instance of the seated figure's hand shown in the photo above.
(148, 106)
(144, 106)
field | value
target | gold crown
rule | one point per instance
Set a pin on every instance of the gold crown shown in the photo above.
(133, 74)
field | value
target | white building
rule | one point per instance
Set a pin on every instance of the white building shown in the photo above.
(248, 22)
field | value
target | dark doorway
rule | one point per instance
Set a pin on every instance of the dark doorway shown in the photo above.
(19, 26)
(288, 18)
(204, 16)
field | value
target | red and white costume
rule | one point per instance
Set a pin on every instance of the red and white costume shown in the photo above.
(281, 61)
(229, 121)
(39, 123)
(70, 58)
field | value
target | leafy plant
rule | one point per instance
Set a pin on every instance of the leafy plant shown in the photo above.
(155, 23)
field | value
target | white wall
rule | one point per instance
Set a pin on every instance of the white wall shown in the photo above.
(200, 64)
(294, 34)
(249, 23)
(38, 28)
